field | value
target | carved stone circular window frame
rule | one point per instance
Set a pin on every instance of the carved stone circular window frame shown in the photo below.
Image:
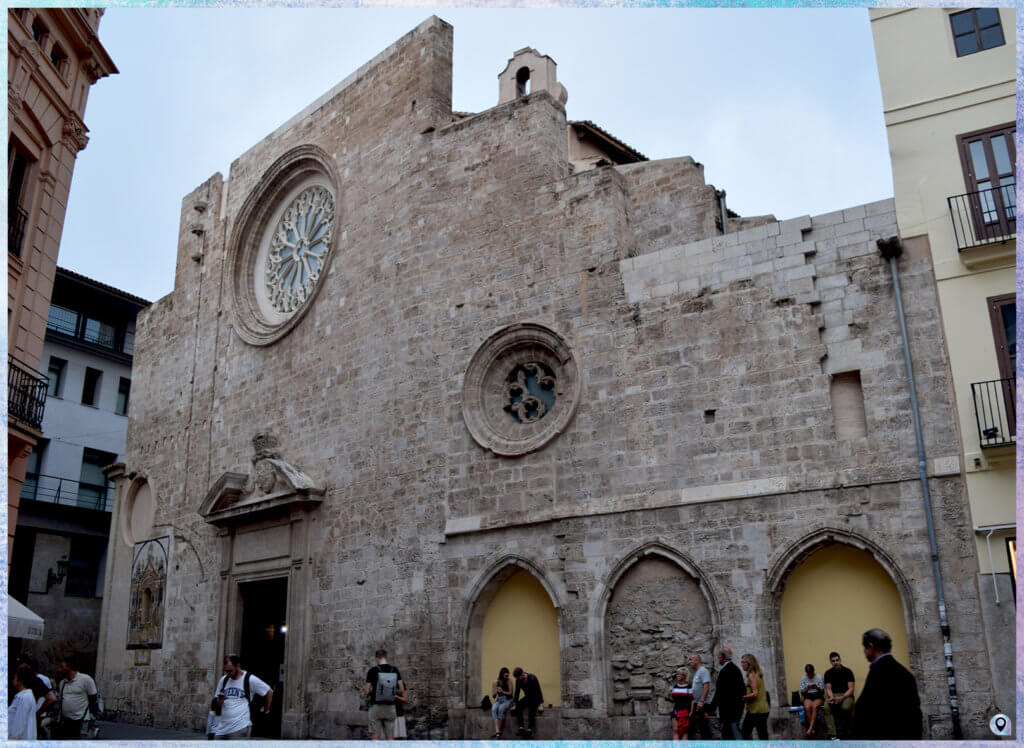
(484, 389)
(295, 171)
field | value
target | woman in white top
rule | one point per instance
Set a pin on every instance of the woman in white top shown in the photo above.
(812, 688)
(21, 714)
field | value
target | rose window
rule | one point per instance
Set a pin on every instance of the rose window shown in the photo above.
(298, 249)
(520, 390)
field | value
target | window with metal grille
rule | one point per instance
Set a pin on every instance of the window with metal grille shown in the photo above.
(976, 30)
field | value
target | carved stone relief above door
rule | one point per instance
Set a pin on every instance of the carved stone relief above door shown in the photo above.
(263, 519)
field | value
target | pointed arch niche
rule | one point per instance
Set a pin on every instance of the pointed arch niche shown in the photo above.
(657, 610)
(826, 596)
(514, 622)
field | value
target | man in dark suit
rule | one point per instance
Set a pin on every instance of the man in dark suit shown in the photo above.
(729, 690)
(889, 707)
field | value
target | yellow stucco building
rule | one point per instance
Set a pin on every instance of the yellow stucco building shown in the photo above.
(948, 90)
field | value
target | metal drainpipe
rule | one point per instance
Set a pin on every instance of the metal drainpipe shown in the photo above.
(720, 194)
(991, 564)
(891, 249)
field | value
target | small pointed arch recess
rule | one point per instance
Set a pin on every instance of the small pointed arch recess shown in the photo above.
(513, 620)
(656, 606)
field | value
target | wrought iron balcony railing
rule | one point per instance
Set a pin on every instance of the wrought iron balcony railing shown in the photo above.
(17, 217)
(995, 408)
(984, 217)
(26, 393)
(54, 490)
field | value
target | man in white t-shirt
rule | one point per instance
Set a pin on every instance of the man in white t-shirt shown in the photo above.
(77, 694)
(234, 722)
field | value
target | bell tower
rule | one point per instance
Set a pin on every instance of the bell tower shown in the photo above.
(527, 72)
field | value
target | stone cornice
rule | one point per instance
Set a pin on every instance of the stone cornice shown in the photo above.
(86, 43)
(940, 467)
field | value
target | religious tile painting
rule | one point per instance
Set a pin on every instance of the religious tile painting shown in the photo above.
(149, 583)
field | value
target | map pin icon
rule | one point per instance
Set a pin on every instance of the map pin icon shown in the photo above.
(1000, 723)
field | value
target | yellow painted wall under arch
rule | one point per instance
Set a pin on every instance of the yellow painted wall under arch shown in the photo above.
(831, 599)
(521, 629)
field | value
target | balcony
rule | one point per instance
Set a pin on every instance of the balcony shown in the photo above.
(995, 408)
(79, 326)
(984, 217)
(50, 489)
(26, 393)
(17, 217)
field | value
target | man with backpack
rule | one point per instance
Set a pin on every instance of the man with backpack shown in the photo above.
(383, 686)
(234, 701)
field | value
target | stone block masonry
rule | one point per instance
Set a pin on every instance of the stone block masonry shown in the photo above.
(700, 465)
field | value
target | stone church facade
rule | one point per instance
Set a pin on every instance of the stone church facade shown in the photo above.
(410, 354)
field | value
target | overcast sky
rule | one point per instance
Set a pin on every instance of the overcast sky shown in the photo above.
(782, 106)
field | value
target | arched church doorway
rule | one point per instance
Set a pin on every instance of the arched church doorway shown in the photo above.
(836, 594)
(656, 616)
(520, 628)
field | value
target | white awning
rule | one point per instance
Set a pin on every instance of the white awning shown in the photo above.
(22, 622)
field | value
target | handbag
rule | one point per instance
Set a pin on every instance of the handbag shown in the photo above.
(485, 703)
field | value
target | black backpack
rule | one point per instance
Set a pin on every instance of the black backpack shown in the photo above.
(255, 700)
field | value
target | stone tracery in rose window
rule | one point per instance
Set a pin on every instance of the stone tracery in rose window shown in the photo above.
(530, 392)
(298, 248)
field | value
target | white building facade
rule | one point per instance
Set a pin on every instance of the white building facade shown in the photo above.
(61, 538)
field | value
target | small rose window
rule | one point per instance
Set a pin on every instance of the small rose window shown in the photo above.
(521, 389)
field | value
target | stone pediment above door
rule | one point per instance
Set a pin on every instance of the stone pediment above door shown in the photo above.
(272, 487)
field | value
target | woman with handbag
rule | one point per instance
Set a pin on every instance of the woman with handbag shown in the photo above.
(501, 689)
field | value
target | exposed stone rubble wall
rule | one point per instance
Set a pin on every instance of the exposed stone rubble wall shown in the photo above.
(656, 617)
